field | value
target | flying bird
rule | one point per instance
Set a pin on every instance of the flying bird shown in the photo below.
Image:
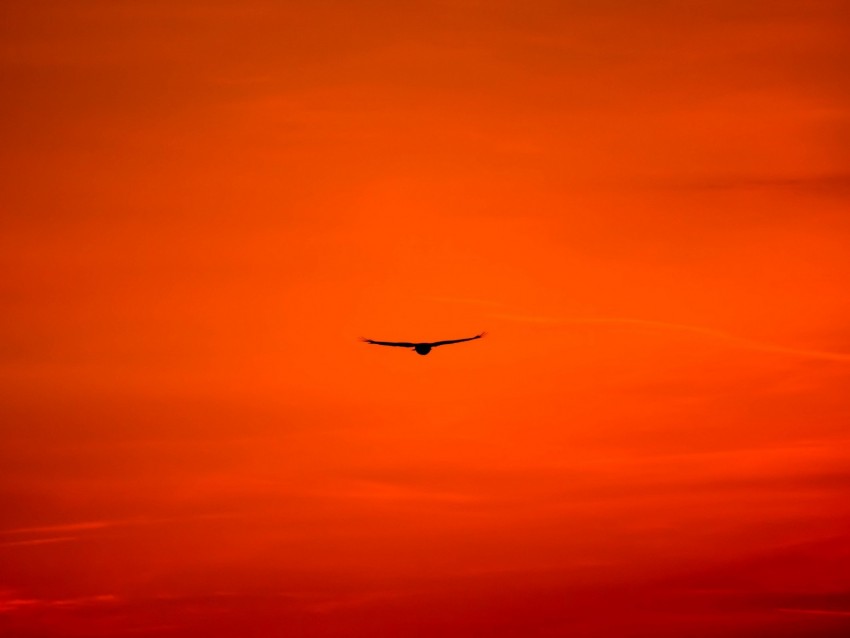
(421, 348)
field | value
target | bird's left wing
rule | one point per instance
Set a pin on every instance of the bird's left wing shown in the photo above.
(445, 343)
(399, 344)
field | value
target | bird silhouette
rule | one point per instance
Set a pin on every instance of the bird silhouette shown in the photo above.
(424, 347)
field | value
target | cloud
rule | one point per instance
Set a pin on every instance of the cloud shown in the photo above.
(396, 492)
(471, 301)
(39, 541)
(64, 527)
(826, 183)
(815, 612)
(90, 526)
(10, 602)
(742, 342)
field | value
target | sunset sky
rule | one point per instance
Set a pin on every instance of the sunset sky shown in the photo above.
(205, 205)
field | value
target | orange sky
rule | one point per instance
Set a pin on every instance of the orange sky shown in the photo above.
(205, 204)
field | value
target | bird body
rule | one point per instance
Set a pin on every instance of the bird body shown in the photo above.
(422, 348)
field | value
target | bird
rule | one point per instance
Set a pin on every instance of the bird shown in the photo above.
(421, 348)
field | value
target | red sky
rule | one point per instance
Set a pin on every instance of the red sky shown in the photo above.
(205, 204)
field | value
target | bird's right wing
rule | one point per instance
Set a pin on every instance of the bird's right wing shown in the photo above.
(398, 344)
(447, 342)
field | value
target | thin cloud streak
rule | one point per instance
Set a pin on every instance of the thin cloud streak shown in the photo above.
(40, 541)
(88, 526)
(11, 604)
(814, 612)
(67, 527)
(835, 183)
(743, 342)
(398, 493)
(471, 301)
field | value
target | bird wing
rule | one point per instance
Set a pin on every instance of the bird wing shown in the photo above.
(445, 343)
(399, 344)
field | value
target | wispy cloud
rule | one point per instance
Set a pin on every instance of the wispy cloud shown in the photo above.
(827, 183)
(89, 526)
(542, 319)
(39, 541)
(9, 602)
(396, 492)
(815, 612)
(470, 301)
(63, 527)
(742, 342)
